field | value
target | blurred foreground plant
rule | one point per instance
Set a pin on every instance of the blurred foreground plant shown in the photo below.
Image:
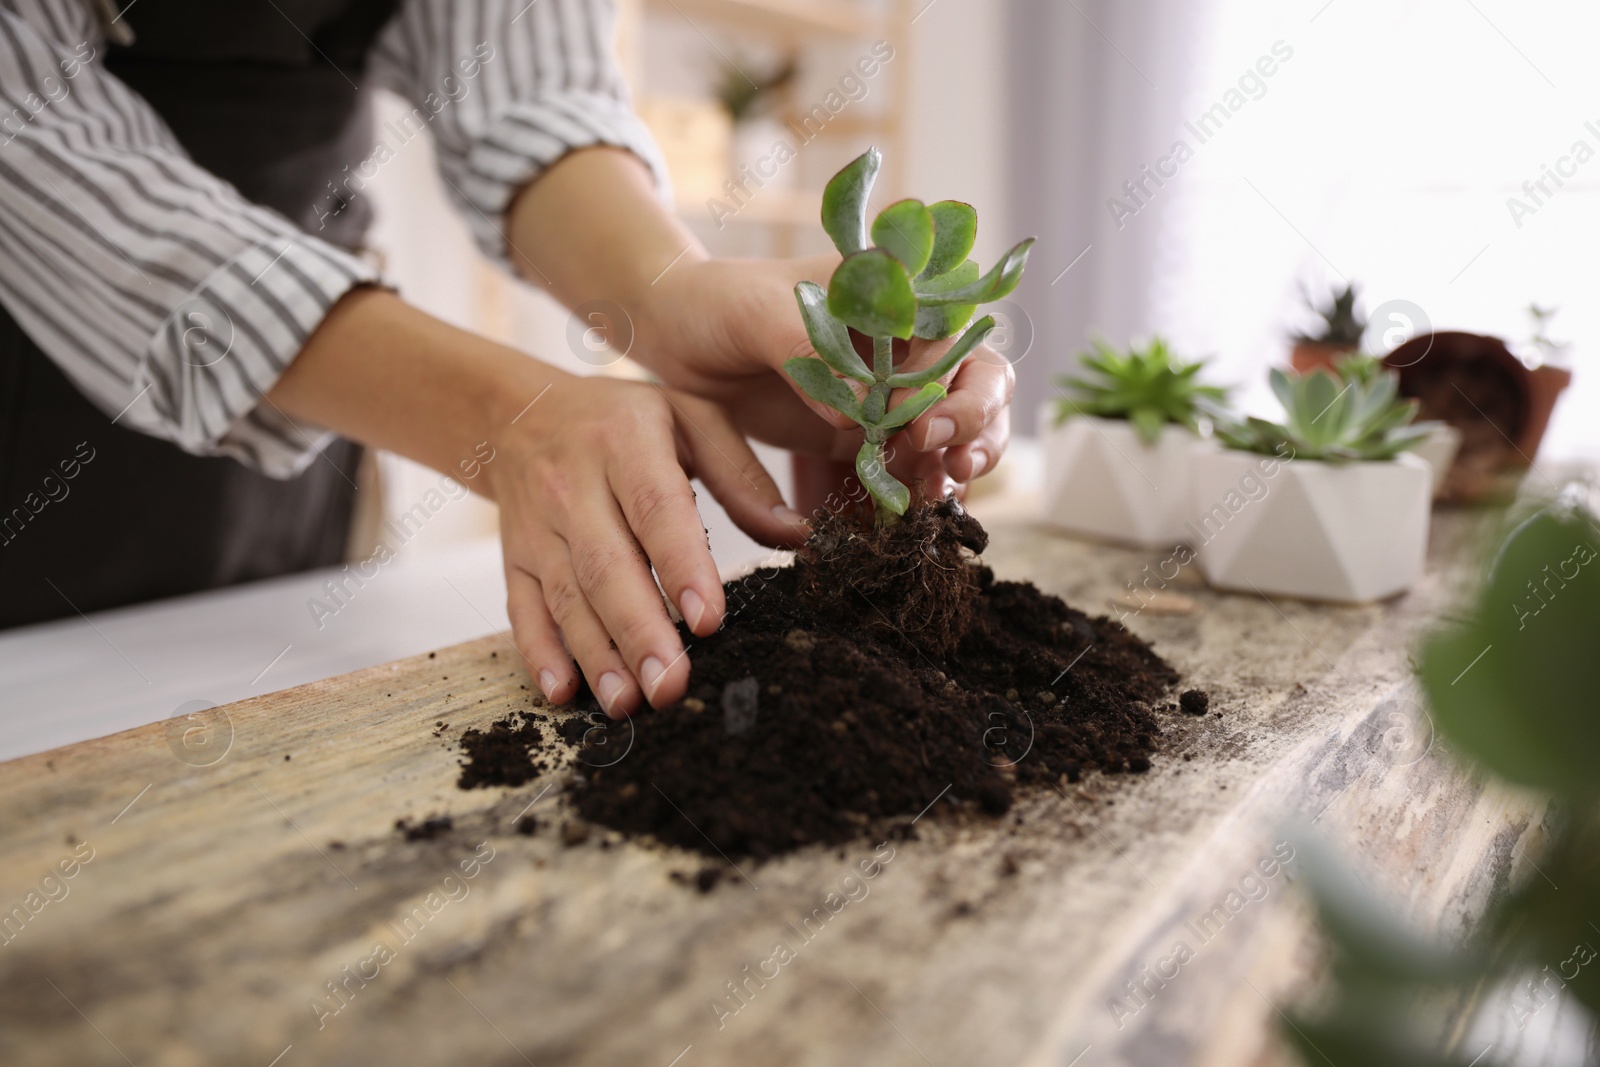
(1515, 689)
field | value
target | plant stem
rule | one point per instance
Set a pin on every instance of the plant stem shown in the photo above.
(882, 357)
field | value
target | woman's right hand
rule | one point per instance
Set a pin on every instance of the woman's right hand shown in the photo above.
(593, 486)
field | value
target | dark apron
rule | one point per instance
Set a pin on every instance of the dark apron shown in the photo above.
(256, 102)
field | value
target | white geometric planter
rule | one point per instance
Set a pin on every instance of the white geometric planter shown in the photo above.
(1102, 480)
(1353, 532)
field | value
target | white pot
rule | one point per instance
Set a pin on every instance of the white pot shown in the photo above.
(1351, 532)
(1102, 480)
(1438, 451)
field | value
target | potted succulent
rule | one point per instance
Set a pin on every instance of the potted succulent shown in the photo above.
(1500, 402)
(1438, 450)
(1340, 332)
(1326, 505)
(1117, 443)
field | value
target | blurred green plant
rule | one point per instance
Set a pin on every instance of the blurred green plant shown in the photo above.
(1354, 420)
(1546, 349)
(1359, 367)
(1342, 323)
(912, 280)
(1147, 386)
(744, 95)
(1512, 689)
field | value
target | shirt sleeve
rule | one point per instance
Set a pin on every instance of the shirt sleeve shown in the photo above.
(508, 87)
(168, 299)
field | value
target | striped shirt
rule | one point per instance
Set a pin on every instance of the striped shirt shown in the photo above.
(135, 270)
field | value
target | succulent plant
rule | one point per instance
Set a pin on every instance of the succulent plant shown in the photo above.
(1341, 323)
(1330, 420)
(1148, 387)
(1359, 367)
(906, 276)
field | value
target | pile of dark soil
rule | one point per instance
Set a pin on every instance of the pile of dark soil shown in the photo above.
(881, 673)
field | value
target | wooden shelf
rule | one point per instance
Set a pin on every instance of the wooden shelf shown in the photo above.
(781, 17)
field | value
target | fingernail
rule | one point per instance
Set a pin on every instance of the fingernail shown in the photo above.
(650, 672)
(788, 516)
(692, 607)
(609, 690)
(547, 682)
(940, 429)
(980, 463)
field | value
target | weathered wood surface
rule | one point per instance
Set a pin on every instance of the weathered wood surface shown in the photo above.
(220, 899)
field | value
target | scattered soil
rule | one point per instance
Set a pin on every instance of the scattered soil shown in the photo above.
(504, 754)
(426, 830)
(883, 676)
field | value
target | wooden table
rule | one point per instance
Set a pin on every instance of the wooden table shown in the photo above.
(223, 901)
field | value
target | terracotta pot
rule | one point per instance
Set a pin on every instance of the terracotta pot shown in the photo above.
(1502, 409)
(1307, 356)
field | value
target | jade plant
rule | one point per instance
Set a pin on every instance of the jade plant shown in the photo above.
(906, 275)
(1149, 387)
(1327, 419)
(1342, 324)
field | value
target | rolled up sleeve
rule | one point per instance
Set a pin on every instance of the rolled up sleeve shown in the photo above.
(168, 299)
(507, 90)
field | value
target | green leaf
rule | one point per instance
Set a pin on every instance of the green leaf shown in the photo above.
(829, 336)
(885, 488)
(904, 229)
(1282, 388)
(955, 228)
(947, 362)
(999, 282)
(844, 202)
(819, 383)
(1371, 943)
(912, 407)
(937, 323)
(1148, 424)
(1515, 687)
(1357, 1040)
(871, 292)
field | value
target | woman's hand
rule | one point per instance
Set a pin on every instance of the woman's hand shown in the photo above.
(591, 475)
(593, 487)
(722, 329)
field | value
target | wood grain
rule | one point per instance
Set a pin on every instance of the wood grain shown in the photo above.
(220, 899)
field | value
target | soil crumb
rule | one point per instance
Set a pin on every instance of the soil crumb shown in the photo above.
(1194, 701)
(426, 830)
(505, 753)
